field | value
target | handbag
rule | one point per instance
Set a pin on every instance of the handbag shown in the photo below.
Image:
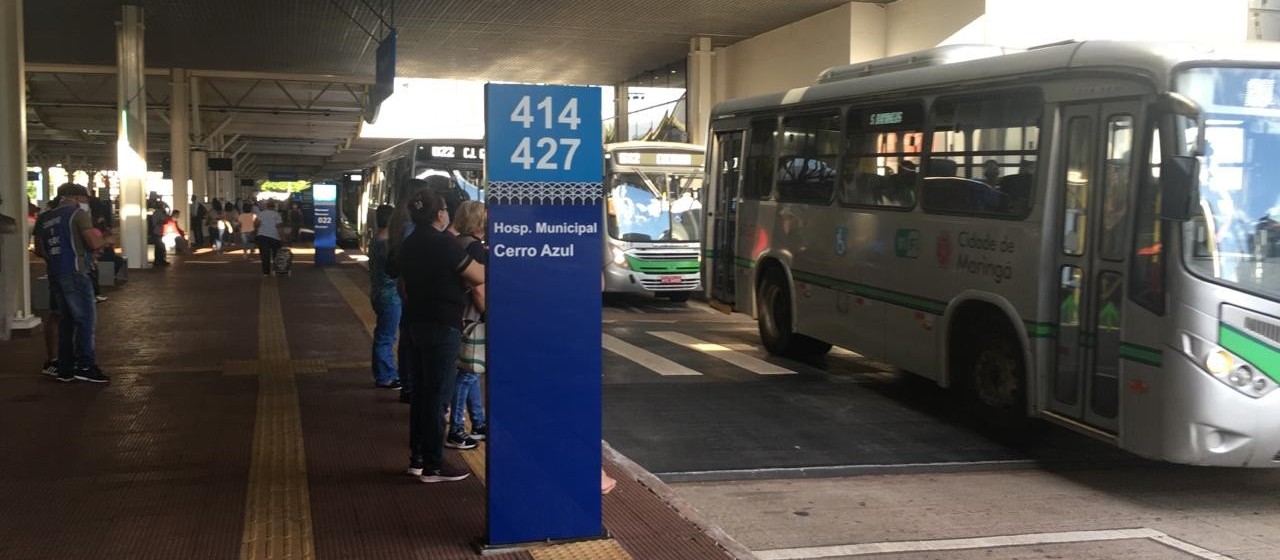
(472, 356)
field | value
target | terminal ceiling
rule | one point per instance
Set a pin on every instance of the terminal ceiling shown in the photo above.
(309, 125)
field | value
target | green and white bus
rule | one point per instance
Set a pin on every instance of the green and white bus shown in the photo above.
(653, 218)
(1083, 232)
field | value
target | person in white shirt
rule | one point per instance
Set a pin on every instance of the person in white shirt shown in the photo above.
(267, 226)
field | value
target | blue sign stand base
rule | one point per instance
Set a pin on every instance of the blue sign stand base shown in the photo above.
(325, 256)
(485, 549)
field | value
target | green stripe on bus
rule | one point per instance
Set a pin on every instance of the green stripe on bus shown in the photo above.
(744, 262)
(1262, 355)
(905, 300)
(1141, 354)
(709, 253)
(1040, 330)
(688, 266)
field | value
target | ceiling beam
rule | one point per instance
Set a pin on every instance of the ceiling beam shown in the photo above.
(52, 68)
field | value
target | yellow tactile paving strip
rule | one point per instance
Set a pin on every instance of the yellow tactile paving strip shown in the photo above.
(604, 549)
(277, 521)
(355, 298)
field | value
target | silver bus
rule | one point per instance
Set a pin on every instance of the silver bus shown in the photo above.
(1087, 233)
(653, 218)
(388, 171)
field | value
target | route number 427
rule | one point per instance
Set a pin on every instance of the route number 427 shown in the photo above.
(546, 146)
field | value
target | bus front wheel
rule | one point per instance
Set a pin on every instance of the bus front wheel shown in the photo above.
(773, 315)
(997, 377)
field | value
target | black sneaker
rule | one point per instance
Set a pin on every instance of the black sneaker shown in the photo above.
(445, 474)
(415, 467)
(92, 375)
(480, 433)
(66, 376)
(457, 441)
(394, 384)
(50, 368)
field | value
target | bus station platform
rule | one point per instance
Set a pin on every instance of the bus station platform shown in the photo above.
(241, 421)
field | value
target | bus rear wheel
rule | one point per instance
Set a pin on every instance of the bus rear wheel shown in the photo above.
(773, 315)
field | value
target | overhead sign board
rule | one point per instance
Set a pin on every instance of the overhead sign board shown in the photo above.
(545, 195)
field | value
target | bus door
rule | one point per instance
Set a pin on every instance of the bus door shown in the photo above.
(724, 216)
(1098, 179)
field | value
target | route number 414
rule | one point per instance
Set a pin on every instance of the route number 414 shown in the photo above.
(546, 146)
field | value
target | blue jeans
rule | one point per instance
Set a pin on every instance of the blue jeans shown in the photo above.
(386, 305)
(467, 395)
(434, 374)
(74, 295)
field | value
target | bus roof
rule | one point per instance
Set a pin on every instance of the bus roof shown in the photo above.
(1152, 61)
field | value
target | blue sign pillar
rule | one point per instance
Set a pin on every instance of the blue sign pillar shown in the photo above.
(326, 225)
(545, 201)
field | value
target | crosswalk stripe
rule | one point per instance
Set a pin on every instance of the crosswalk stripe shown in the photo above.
(644, 357)
(739, 359)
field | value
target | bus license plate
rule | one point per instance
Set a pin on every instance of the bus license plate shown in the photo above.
(670, 279)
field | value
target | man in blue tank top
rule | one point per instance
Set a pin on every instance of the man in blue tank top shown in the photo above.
(66, 239)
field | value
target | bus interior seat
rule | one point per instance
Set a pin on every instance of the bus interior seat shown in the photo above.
(936, 167)
(1018, 188)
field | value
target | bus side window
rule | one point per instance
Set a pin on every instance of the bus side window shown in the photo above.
(1146, 277)
(807, 158)
(982, 155)
(758, 183)
(884, 144)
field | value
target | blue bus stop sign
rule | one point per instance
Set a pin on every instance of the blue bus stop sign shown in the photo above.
(326, 209)
(545, 195)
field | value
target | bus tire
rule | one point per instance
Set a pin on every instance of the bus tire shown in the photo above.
(773, 316)
(678, 297)
(996, 378)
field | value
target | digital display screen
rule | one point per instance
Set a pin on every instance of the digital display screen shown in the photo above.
(451, 151)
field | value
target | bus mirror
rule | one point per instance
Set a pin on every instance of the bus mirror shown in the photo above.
(1179, 185)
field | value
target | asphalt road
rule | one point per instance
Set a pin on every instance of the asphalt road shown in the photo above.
(845, 458)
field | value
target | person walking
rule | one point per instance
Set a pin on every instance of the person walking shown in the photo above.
(156, 223)
(247, 224)
(65, 239)
(385, 297)
(435, 272)
(469, 222)
(267, 225)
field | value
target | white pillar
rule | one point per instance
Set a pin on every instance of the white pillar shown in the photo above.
(698, 85)
(199, 157)
(621, 113)
(179, 145)
(131, 144)
(15, 264)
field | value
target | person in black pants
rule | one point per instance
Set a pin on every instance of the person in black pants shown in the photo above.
(435, 271)
(267, 224)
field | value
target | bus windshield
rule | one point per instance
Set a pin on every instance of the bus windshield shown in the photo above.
(1235, 238)
(655, 206)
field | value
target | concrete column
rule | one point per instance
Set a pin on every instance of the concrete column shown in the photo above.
(131, 145)
(699, 84)
(15, 264)
(179, 145)
(199, 157)
(621, 112)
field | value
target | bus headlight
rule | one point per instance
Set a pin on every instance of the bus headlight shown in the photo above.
(619, 257)
(1226, 367)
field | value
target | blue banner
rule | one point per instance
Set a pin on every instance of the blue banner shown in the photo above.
(545, 197)
(326, 224)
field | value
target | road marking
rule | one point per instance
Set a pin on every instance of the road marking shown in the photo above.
(739, 359)
(644, 357)
(277, 513)
(986, 542)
